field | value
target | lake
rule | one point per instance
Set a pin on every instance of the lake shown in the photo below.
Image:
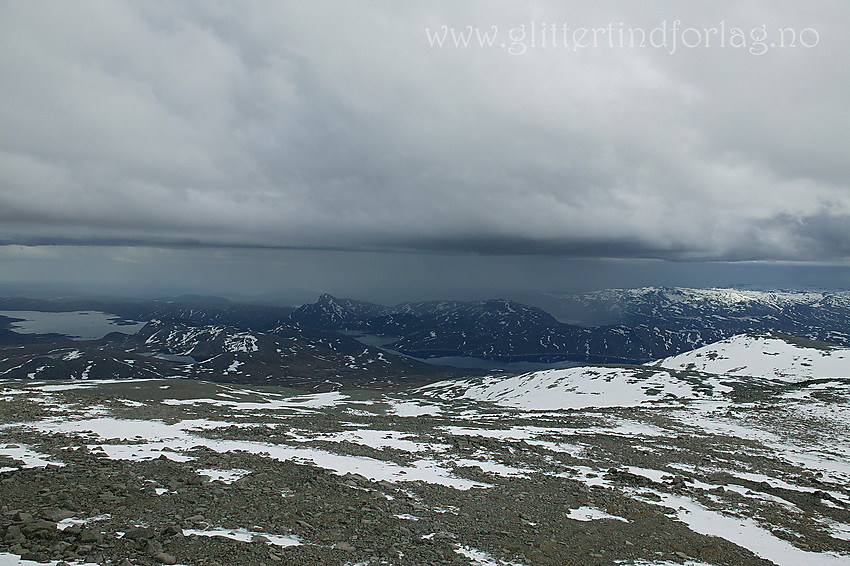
(79, 325)
(380, 341)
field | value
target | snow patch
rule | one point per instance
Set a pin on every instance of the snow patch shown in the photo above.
(245, 535)
(591, 514)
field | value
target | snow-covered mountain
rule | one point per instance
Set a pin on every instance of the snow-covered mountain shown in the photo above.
(582, 387)
(331, 313)
(739, 363)
(817, 315)
(770, 356)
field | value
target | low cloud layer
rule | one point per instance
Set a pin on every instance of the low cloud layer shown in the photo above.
(307, 125)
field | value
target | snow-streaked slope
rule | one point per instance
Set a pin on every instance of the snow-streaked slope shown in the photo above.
(769, 356)
(722, 297)
(823, 315)
(709, 372)
(582, 387)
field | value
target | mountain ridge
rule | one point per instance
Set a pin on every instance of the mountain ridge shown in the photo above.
(643, 324)
(289, 355)
(651, 323)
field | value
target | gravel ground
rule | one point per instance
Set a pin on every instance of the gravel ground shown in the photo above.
(175, 471)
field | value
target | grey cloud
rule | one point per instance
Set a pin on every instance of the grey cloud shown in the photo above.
(288, 125)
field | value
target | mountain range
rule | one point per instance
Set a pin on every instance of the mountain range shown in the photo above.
(631, 326)
(823, 315)
(643, 324)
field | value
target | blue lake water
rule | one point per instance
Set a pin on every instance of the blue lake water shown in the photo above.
(460, 361)
(80, 325)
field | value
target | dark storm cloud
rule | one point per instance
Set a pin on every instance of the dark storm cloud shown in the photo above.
(824, 235)
(306, 126)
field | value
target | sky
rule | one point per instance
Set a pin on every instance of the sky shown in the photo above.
(423, 148)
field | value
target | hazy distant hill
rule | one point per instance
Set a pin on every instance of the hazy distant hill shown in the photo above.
(823, 315)
(187, 309)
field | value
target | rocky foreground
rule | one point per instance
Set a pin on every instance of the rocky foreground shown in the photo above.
(185, 472)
